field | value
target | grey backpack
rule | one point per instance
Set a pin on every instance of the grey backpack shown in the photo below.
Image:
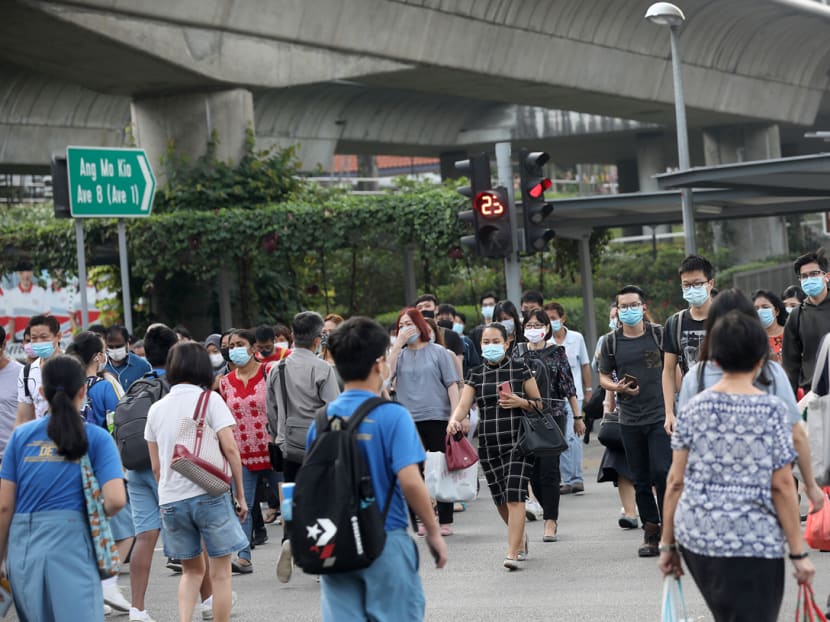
(131, 418)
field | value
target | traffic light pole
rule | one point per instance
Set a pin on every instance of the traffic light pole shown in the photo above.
(512, 274)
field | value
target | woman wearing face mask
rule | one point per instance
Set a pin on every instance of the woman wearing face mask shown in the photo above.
(244, 391)
(773, 315)
(545, 477)
(102, 397)
(792, 297)
(500, 413)
(28, 350)
(426, 382)
(508, 316)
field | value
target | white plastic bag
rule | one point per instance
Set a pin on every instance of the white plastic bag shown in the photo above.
(818, 434)
(674, 607)
(446, 485)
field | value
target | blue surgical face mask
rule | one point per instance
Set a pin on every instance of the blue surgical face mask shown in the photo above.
(487, 311)
(767, 317)
(556, 325)
(696, 296)
(493, 352)
(43, 349)
(413, 338)
(631, 317)
(813, 285)
(458, 328)
(239, 356)
(509, 326)
(612, 324)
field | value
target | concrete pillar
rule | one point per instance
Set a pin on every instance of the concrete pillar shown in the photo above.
(650, 162)
(627, 181)
(588, 308)
(189, 121)
(367, 166)
(755, 238)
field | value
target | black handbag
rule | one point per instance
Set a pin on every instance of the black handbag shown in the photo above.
(539, 435)
(610, 433)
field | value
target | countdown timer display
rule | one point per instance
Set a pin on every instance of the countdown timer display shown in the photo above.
(490, 205)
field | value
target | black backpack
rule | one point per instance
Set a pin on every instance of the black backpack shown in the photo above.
(336, 523)
(131, 417)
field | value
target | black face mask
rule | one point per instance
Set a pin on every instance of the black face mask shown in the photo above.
(445, 324)
(225, 354)
(428, 314)
(265, 353)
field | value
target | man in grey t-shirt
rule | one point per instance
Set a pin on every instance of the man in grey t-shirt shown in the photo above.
(9, 372)
(634, 353)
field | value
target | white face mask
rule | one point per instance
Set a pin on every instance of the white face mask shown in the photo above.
(102, 364)
(217, 360)
(535, 335)
(117, 354)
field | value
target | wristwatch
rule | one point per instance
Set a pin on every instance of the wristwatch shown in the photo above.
(667, 548)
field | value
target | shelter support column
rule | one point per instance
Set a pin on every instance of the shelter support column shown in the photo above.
(588, 308)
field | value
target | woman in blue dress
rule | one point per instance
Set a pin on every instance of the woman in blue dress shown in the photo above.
(51, 562)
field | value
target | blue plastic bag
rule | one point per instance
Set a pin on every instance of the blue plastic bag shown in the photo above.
(674, 605)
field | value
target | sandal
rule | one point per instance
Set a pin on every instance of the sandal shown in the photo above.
(554, 537)
(269, 516)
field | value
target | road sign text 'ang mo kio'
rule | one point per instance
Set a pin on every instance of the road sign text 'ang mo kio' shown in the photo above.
(109, 183)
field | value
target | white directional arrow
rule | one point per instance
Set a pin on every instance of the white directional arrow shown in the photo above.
(328, 533)
(149, 183)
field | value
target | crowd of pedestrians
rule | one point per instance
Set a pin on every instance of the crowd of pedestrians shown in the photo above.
(704, 408)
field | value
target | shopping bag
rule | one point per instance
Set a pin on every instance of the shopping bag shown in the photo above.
(674, 606)
(106, 553)
(817, 411)
(807, 610)
(817, 529)
(446, 485)
(460, 452)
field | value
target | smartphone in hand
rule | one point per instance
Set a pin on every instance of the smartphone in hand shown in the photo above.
(504, 389)
(631, 380)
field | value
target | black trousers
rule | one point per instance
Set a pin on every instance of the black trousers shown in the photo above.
(545, 479)
(738, 589)
(289, 475)
(433, 435)
(648, 452)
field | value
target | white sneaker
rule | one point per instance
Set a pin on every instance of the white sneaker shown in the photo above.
(285, 563)
(533, 510)
(115, 599)
(107, 609)
(207, 610)
(140, 616)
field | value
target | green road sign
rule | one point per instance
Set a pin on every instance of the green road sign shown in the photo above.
(112, 183)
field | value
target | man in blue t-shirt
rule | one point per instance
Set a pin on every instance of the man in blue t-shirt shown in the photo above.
(121, 363)
(389, 589)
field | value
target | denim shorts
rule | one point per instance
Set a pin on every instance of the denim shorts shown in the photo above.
(205, 518)
(144, 500)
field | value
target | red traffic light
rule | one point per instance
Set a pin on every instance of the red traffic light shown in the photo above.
(490, 205)
(539, 189)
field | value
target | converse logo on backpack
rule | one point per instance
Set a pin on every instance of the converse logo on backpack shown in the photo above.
(322, 532)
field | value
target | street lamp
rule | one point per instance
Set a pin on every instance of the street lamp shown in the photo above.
(667, 14)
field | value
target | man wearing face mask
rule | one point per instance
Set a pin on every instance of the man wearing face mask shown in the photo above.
(634, 353)
(488, 306)
(124, 365)
(45, 332)
(684, 330)
(297, 388)
(809, 323)
(265, 347)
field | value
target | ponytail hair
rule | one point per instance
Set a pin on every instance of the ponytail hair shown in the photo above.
(62, 377)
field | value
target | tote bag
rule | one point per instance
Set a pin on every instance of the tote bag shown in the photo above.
(446, 485)
(106, 553)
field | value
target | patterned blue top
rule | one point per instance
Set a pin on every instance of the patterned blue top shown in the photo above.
(735, 442)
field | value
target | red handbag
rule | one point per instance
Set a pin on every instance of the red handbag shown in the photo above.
(817, 529)
(807, 610)
(460, 453)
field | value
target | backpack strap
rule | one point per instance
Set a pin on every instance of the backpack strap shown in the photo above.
(27, 368)
(284, 391)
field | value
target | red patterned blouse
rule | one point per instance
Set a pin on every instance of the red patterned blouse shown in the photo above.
(247, 403)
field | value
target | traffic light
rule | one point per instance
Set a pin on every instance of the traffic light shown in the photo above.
(534, 206)
(490, 214)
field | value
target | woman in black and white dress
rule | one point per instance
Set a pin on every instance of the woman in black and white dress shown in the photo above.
(500, 413)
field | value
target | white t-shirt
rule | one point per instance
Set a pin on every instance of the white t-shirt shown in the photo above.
(34, 397)
(8, 401)
(163, 426)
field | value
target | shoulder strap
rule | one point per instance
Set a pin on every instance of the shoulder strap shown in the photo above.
(26, 369)
(678, 329)
(321, 419)
(360, 414)
(281, 369)
(655, 329)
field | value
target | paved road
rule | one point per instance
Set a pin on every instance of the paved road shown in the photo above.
(592, 573)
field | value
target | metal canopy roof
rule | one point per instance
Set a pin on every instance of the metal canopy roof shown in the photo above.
(781, 187)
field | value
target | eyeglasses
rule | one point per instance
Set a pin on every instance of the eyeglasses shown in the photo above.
(687, 286)
(530, 325)
(812, 274)
(633, 305)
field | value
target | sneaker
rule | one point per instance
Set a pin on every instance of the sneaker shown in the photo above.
(651, 541)
(140, 616)
(285, 563)
(578, 488)
(174, 564)
(207, 610)
(107, 609)
(115, 599)
(628, 522)
(533, 510)
(260, 538)
(565, 489)
(242, 566)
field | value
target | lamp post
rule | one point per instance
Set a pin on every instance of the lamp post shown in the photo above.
(667, 14)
